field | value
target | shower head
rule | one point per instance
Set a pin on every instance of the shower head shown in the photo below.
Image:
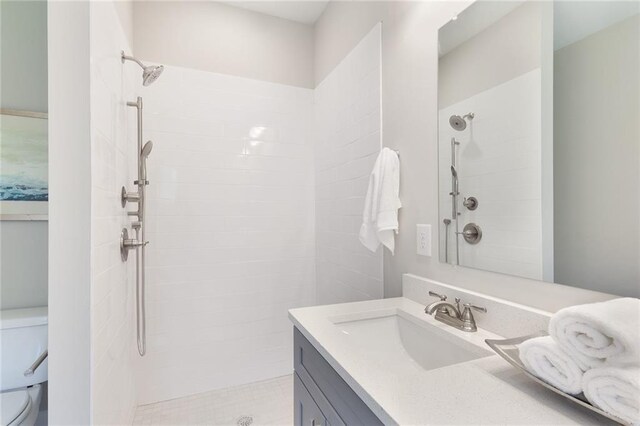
(149, 73)
(146, 149)
(454, 173)
(460, 123)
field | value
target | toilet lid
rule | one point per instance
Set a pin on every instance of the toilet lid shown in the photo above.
(12, 405)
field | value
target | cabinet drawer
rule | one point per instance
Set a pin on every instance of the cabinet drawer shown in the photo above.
(339, 403)
(306, 412)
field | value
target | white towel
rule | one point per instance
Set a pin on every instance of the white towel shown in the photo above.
(615, 390)
(545, 359)
(380, 215)
(600, 332)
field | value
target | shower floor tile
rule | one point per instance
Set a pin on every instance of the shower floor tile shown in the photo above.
(269, 403)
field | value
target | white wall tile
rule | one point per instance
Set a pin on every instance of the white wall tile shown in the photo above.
(231, 230)
(499, 163)
(347, 142)
(113, 392)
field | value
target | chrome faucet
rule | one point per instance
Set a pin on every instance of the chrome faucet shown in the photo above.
(450, 314)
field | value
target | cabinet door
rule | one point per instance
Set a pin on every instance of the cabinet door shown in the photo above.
(306, 411)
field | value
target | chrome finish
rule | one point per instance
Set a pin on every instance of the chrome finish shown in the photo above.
(460, 123)
(132, 197)
(29, 371)
(471, 233)
(508, 350)
(150, 73)
(447, 222)
(470, 203)
(450, 314)
(468, 321)
(127, 244)
(454, 194)
(139, 226)
(445, 309)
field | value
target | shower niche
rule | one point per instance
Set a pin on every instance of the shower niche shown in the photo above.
(539, 141)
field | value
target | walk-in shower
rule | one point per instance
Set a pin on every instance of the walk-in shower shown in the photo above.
(149, 75)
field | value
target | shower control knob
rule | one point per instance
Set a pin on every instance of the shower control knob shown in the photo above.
(127, 244)
(471, 203)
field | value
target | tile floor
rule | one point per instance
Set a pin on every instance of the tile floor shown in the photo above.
(269, 403)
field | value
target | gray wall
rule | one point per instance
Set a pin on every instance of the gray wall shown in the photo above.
(410, 112)
(219, 38)
(597, 160)
(23, 38)
(489, 58)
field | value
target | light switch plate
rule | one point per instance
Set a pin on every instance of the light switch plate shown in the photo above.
(423, 239)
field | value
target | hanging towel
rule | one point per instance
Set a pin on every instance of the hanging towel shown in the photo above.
(380, 215)
(615, 390)
(545, 359)
(600, 332)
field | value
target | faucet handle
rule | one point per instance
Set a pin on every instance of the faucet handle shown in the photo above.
(477, 308)
(468, 321)
(434, 294)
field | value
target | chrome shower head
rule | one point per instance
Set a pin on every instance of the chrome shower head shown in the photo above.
(460, 123)
(146, 149)
(457, 123)
(149, 73)
(454, 173)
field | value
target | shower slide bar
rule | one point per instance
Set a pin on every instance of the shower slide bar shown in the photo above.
(139, 242)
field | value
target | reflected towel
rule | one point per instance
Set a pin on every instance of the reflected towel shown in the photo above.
(615, 390)
(600, 332)
(380, 213)
(545, 359)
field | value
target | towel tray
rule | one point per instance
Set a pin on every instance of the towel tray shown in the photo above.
(508, 349)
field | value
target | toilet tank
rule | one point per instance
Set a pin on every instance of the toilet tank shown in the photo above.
(23, 337)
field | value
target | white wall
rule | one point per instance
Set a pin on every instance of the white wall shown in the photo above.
(597, 151)
(113, 164)
(231, 230)
(216, 37)
(347, 139)
(409, 103)
(69, 214)
(499, 163)
(23, 79)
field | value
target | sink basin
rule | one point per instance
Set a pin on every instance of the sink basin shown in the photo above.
(406, 345)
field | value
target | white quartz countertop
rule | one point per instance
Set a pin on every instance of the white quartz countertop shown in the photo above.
(483, 391)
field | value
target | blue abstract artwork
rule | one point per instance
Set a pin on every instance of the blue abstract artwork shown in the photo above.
(23, 162)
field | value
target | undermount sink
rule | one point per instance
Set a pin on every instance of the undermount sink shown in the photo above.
(405, 344)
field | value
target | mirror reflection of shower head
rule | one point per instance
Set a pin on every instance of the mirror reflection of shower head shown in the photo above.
(150, 73)
(460, 123)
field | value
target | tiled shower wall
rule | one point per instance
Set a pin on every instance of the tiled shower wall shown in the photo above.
(113, 148)
(347, 142)
(499, 163)
(231, 230)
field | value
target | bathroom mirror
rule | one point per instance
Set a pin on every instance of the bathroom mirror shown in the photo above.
(539, 142)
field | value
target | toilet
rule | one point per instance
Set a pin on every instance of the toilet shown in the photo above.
(23, 339)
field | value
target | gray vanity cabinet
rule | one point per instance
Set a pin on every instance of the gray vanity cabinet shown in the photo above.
(321, 396)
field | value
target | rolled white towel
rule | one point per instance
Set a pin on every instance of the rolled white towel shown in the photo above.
(598, 332)
(544, 358)
(615, 390)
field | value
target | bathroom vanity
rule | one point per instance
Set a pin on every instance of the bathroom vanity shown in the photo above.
(387, 362)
